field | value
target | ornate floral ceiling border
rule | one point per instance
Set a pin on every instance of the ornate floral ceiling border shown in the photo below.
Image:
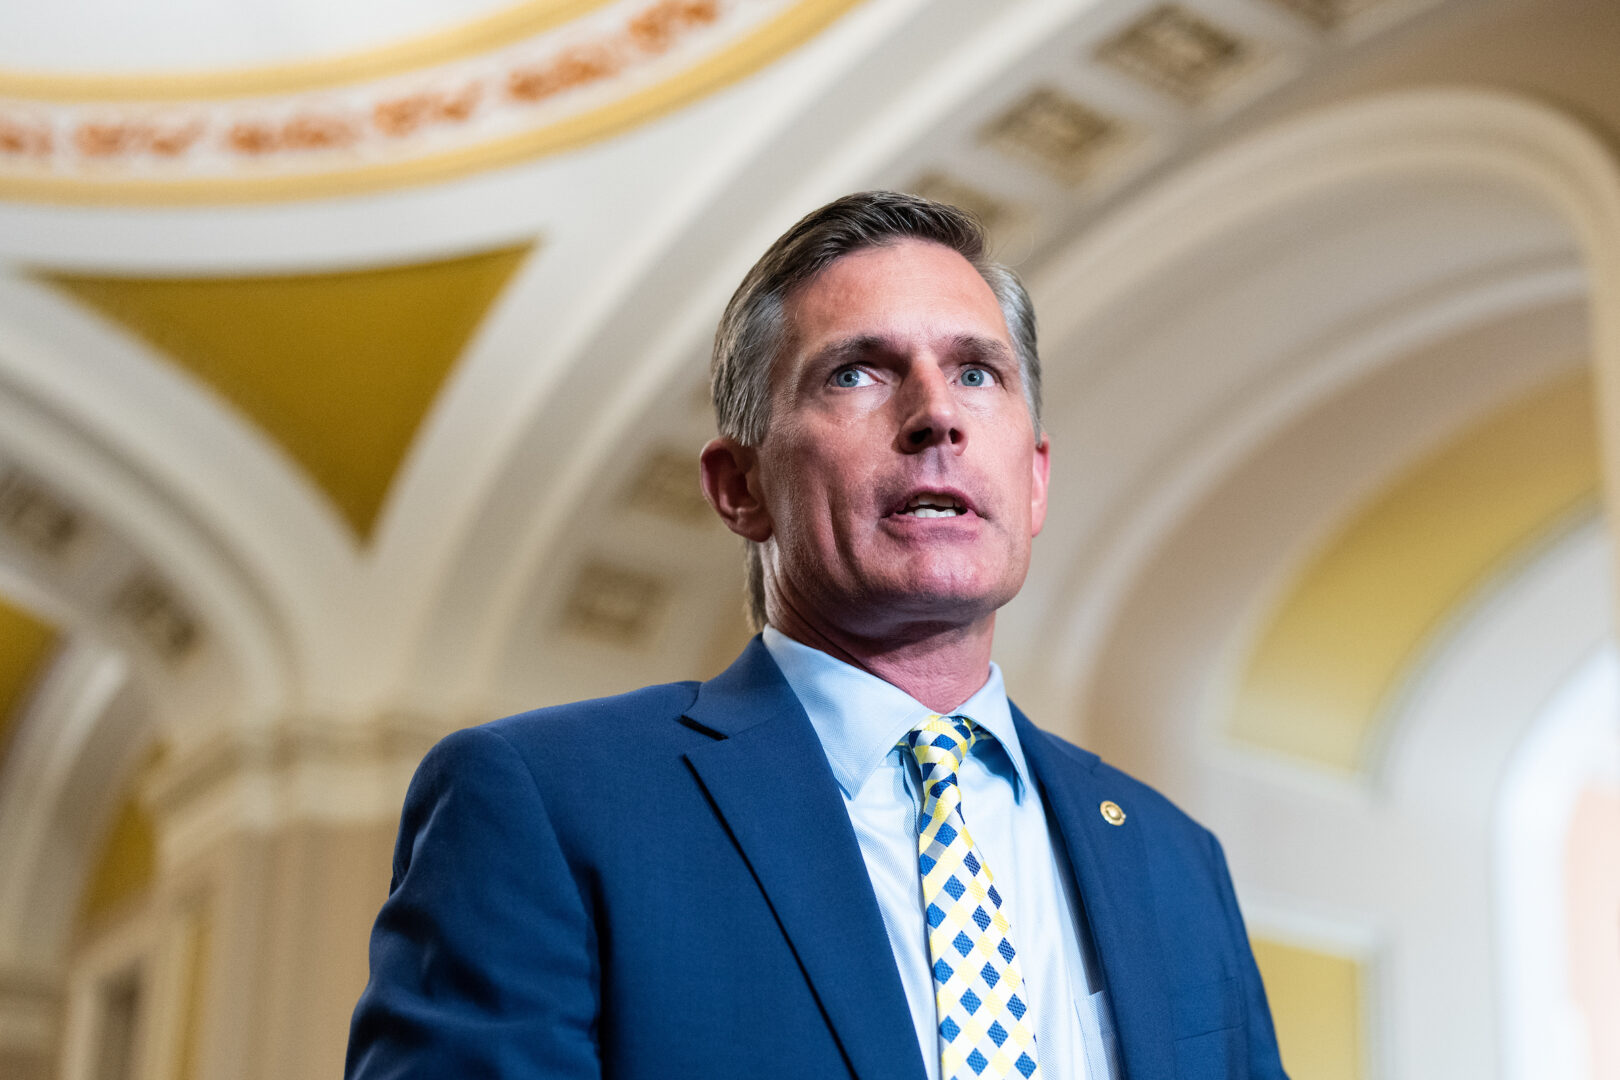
(547, 76)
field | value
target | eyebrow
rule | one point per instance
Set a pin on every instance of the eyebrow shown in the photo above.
(982, 348)
(972, 346)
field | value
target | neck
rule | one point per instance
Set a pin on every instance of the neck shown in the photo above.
(940, 666)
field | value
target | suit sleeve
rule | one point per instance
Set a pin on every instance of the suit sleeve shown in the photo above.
(483, 957)
(1264, 1063)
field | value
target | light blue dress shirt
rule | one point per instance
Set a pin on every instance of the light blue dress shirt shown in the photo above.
(860, 719)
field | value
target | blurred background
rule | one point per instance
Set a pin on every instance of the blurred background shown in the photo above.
(352, 374)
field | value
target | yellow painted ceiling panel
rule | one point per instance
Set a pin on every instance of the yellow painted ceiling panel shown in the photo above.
(1345, 636)
(125, 868)
(338, 368)
(1316, 1004)
(26, 644)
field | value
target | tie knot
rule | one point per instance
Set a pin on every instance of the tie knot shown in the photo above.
(941, 742)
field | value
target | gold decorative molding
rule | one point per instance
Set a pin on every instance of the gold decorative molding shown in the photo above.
(585, 71)
(501, 28)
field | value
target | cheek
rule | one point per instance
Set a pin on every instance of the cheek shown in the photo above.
(821, 477)
(823, 470)
(797, 493)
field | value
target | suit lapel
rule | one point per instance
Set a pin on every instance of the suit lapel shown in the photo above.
(1111, 875)
(768, 778)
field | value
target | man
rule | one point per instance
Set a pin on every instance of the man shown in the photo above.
(848, 855)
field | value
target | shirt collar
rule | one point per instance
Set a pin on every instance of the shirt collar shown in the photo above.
(859, 718)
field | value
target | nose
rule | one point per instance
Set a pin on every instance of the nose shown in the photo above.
(930, 411)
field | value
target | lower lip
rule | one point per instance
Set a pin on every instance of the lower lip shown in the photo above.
(956, 521)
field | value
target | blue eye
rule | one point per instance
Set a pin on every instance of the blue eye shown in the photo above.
(851, 377)
(976, 376)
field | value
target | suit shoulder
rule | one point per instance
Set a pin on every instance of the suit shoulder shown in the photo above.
(617, 721)
(562, 749)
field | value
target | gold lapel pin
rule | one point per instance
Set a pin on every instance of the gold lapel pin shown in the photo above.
(1112, 813)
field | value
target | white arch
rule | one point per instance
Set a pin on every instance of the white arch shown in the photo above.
(77, 408)
(184, 485)
(239, 672)
(1457, 738)
(1464, 137)
(1389, 859)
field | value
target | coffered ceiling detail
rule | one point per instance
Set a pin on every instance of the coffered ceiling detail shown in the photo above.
(1179, 51)
(615, 604)
(1102, 106)
(32, 516)
(158, 616)
(1054, 132)
(667, 485)
(992, 213)
(1327, 14)
(72, 558)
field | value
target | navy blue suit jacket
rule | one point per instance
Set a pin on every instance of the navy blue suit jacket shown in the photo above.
(666, 885)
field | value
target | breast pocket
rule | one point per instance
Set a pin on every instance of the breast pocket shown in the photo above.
(1209, 1033)
(1207, 1007)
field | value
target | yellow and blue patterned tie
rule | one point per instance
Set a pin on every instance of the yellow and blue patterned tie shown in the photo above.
(985, 1027)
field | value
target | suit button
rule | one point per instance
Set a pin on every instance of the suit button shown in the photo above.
(1112, 813)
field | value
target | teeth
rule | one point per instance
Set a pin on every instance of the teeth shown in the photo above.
(950, 506)
(934, 505)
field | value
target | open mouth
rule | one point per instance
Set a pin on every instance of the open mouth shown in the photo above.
(929, 504)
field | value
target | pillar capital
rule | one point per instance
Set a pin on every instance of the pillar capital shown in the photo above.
(316, 771)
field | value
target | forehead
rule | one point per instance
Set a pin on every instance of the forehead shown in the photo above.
(911, 291)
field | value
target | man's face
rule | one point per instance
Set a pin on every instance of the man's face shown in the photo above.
(900, 476)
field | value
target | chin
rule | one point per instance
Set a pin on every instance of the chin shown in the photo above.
(952, 599)
(965, 581)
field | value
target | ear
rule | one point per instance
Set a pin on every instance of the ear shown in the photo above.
(729, 472)
(1037, 490)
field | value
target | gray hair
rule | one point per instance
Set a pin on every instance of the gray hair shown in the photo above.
(753, 331)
